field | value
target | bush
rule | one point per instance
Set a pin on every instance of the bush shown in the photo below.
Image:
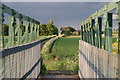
(62, 66)
(43, 69)
(47, 56)
(76, 68)
(46, 50)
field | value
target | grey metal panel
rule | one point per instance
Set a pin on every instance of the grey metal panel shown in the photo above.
(1, 66)
(9, 51)
(97, 63)
(23, 61)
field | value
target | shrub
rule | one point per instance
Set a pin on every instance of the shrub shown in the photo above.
(43, 69)
(76, 68)
(46, 50)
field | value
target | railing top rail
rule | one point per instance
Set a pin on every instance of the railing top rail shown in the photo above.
(15, 49)
(10, 11)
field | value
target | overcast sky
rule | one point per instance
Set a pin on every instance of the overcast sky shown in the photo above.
(62, 13)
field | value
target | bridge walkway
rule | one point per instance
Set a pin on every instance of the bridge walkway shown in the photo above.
(59, 75)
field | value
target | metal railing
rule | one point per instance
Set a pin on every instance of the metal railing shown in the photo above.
(20, 53)
(16, 34)
(95, 61)
(23, 61)
(91, 28)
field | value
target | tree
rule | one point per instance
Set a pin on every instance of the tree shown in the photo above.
(67, 30)
(55, 30)
(5, 29)
(48, 29)
(64, 29)
(43, 30)
(51, 21)
(71, 29)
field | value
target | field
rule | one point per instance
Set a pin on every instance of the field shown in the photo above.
(66, 47)
(66, 51)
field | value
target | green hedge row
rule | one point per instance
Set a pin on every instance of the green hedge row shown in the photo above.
(46, 50)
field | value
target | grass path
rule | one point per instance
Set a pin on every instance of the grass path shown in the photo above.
(66, 50)
(66, 47)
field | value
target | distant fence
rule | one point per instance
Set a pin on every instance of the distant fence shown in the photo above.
(97, 63)
(23, 61)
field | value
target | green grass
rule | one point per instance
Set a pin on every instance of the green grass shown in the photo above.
(66, 47)
(66, 50)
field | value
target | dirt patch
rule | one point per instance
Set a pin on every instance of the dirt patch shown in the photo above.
(54, 57)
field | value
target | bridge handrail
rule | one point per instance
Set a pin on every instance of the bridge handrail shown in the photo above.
(22, 47)
(97, 63)
(16, 34)
(23, 61)
(91, 28)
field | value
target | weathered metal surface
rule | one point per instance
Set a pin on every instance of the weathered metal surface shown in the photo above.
(23, 61)
(119, 40)
(17, 34)
(97, 63)
(20, 55)
(95, 28)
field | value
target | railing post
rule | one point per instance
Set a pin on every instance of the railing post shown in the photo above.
(88, 32)
(20, 24)
(1, 30)
(108, 31)
(99, 32)
(31, 31)
(93, 31)
(118, 19)
(86, 27)
(26, 31)
(90, 37)
(11, 31)
(119, 39)
(84, 33)
(1, 41)
(38, 28)
(35, 31)
(81, 32)
(96, 31)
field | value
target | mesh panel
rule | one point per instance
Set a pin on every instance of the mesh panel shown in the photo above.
(97, 63)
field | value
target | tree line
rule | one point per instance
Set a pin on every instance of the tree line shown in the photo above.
(67, 31)
(48, 29)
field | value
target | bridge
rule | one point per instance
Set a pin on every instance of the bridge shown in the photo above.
(20, 50)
